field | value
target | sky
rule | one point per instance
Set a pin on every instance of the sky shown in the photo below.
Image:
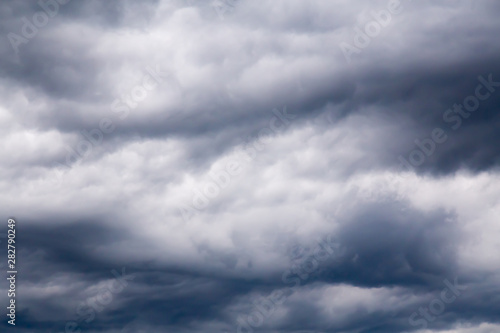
(276, 166)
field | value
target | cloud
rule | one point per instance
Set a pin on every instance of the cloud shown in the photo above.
(377, 155)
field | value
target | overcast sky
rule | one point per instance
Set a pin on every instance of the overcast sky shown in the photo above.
(277, 166)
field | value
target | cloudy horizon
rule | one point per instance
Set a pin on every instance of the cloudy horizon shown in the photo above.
(270, 166)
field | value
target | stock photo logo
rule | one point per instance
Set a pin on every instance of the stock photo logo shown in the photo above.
(32, 25)
(3, 242)
(379, 21)
(372, 29)
(453, 117)
(437, 306)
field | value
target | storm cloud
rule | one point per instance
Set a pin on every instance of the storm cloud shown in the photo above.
(252, 166)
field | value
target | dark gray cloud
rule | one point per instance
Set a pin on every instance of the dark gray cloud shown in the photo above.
(173, 165)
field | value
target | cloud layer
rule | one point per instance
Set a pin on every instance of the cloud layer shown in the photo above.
(186, 166)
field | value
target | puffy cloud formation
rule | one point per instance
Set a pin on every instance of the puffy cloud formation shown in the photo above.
(252, 166)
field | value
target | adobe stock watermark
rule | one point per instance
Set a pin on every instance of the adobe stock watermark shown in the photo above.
(363, 37)
(372, 29)
(86, 310)
(3, 236)
(300, 271)
(437, 306)
(221, 179)
(120, 106)
(453, 116)
(30, 28)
